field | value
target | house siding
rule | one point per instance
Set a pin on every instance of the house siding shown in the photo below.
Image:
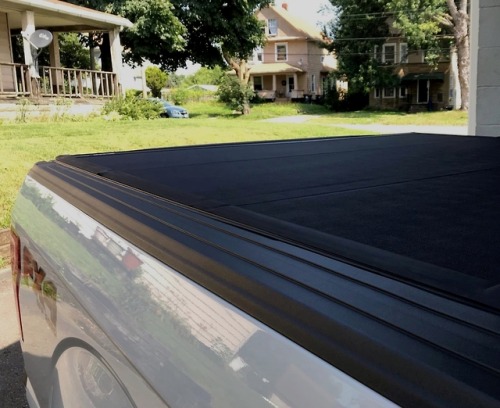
(303, 53)
(6, 73)
(438, 91)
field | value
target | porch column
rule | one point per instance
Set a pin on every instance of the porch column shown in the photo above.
(295, 85)
(28, 27)
(55, 61)
(116, 57)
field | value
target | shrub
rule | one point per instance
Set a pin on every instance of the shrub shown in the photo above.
(179, 96)
(156, 80)
(133, 93)
(133, 108)
(235, 94)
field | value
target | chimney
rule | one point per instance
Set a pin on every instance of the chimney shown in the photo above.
(284, 5)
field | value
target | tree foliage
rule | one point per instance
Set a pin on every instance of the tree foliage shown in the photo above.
(156, 80)
(235, 94)
(430, 25)
(206, 76)
(170, 32)
(434, 24)
(358, 28)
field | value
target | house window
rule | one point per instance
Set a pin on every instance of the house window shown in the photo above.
(376, 53)
(389, 93)
(402, 92)
(272, 27)
(389, 53)
(403, 53)
(377, 92)
(281, 52)
(313, 83)
(258, 55)
(257, 83)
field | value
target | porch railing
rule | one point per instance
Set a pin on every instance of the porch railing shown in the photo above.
(72, 82)
(15, 80)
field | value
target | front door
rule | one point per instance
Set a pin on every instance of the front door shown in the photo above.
(290, 86)
(423, 91)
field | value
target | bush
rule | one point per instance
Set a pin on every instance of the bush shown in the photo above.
(179, 96)
(156, 80)
(235, 94)
(133, 93)
(133, 108)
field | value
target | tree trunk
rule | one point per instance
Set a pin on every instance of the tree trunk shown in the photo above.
(462, 42)
(463, 53)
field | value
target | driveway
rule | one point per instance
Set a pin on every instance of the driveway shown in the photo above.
(12, 394)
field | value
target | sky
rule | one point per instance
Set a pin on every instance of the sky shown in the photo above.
(308, 9)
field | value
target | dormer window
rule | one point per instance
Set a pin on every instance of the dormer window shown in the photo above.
(272, 27)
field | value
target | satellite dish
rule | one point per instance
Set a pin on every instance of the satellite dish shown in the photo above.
(41, 38)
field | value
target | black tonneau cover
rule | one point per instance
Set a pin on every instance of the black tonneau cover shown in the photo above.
(424, 209)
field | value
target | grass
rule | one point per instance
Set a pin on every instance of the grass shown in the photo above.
(24, 144)
(443, 118)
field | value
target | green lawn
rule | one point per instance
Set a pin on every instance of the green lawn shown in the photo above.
(23, 144)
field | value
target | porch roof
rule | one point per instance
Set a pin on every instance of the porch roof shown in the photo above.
(435, 76)
(57, 15)
(274, 68)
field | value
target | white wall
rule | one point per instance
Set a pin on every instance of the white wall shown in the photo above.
(484, 111)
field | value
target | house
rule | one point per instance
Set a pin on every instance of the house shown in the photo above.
(26, 18)
(421, 86)
(291, 64)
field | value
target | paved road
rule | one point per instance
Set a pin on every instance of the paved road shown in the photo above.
(12, 393)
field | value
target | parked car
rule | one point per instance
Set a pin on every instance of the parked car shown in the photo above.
(171, 111)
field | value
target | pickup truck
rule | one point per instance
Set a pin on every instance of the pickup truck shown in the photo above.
(329, 272)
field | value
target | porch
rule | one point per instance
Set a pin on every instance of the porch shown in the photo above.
(278, 81)
(16, 81)
(24, 78)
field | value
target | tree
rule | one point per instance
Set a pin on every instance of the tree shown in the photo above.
(358, 28)
(206, 76)
(156, 80)
(221, 33)
(156, 31)
(426, 22)
(170, 32)
(234, 93)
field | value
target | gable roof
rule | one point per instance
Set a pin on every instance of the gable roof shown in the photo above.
(309, 30)
(55, 13)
